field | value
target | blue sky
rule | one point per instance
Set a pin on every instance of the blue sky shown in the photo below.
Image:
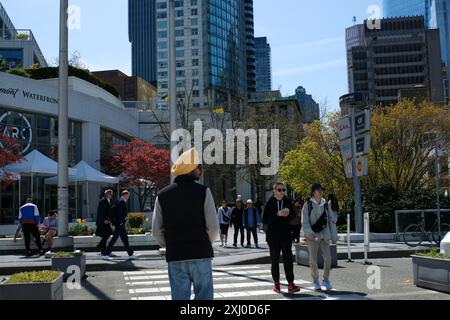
(307, 38)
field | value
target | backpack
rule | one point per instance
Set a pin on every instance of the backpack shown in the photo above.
(224, 216)
(322, 223)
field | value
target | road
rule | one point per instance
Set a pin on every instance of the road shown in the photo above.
(253, 282)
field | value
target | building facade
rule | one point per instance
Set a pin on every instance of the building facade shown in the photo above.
(263, 65)
(18, 47)
(251, 46)
(97, 121)
(437, 16)
(402, 54)
(142, 36)
(130, 88)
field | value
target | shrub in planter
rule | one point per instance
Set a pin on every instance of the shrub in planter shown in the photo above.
(431, 270)
(135, 220)
(37, 285)
(61, 261)
(23, 36)
(79, 230)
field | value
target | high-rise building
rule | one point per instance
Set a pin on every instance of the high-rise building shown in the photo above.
(263, 65)
(436, 14)
(402, 54)
(18, 47)
(250, 41)
(142, 35)
(211, 50)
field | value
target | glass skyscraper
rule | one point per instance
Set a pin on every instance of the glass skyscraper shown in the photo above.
(263, 65)
(142, 35)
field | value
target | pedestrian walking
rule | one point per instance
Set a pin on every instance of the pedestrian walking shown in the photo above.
(316, 217)
(120, 218)
(104, 230)
(296, 222)
(278, 212)
(237, 221)
(224, 215)
(333, 205)
(186, 224)
(251, 221)
(29, 218)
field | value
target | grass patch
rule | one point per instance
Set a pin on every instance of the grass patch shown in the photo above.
(63, 254)
(434, 253)
(34, 277)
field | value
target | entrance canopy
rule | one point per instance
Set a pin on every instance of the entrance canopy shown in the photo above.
(35, 163)
(85, 173)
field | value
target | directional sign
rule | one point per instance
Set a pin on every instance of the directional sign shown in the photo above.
(362, 122)
(345, 128)
(362, 167)
(362, 146)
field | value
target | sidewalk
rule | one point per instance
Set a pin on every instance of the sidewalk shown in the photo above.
(223, 256)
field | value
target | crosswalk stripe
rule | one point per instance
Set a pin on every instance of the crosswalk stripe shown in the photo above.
(166, 276)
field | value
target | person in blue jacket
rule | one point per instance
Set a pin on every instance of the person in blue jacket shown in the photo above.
(29, 218)
(251, 221)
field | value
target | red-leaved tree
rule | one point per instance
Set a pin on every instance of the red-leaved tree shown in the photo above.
(9, 153)
(143, 167)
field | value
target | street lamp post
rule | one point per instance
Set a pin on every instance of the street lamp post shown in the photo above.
(63, 122)
(172, 77)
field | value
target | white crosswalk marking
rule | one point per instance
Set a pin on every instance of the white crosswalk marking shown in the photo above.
(240, 282)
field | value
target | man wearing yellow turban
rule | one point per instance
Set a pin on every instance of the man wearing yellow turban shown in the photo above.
(186, 224)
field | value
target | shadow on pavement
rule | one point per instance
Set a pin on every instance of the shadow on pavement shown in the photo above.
(99, 294)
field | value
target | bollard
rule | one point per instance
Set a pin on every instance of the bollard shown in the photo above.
(366, 238)
(349, 250)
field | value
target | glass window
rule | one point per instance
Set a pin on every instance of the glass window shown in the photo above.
(162, 34)
(179, 53)
(162, 45)
(179, 13)
(161, 5)
(195, 62)
(179, 43)
(161, 24)
(194, 12)
(179, 33)
(180, 63)
(179, 23)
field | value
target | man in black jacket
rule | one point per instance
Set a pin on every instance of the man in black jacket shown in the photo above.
(278, 212)
(103, 223)
(120, 225)
(236, 219)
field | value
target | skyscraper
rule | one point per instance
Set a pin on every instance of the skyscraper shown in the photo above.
(401, 55)
(263, 65)
(436, 14)
(250, 41)
(213, 40)
(142, 35)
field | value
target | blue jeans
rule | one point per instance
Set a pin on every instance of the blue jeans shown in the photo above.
(184, 274)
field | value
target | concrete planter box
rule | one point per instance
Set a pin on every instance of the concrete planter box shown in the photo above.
(62, 264)
(33, 291)
(431, 273)
(302, 255)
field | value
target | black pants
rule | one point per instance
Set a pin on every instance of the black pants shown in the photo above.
(122, 233)
(285, 246)
(296, 233)
(102, 244)
(251, 231)
(237, 229)
(28, 231)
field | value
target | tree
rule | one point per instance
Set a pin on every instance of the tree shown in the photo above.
(317, 159)
(143, 167)
(9, 154)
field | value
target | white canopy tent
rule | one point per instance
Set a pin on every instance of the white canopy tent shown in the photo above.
(35, 164)
(85, 173)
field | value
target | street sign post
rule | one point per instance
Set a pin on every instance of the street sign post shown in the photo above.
(355, 145)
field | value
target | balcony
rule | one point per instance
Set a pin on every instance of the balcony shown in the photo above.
(22, 35)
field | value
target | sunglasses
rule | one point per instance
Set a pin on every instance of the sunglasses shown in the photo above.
(281, 190)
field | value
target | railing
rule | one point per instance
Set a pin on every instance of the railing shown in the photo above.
(23, 35)
(5, 16)
(398, 229)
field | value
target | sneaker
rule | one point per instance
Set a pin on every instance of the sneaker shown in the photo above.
(134, 256)
(248, 246)
(277, 287)
(317, 286)
(41, 253)
(28, 254)
(107, 258)
(327, 284)
(292, 288)
(257, 247)
(235, 245)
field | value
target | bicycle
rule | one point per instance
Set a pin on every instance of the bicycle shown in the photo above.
(415, 234)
